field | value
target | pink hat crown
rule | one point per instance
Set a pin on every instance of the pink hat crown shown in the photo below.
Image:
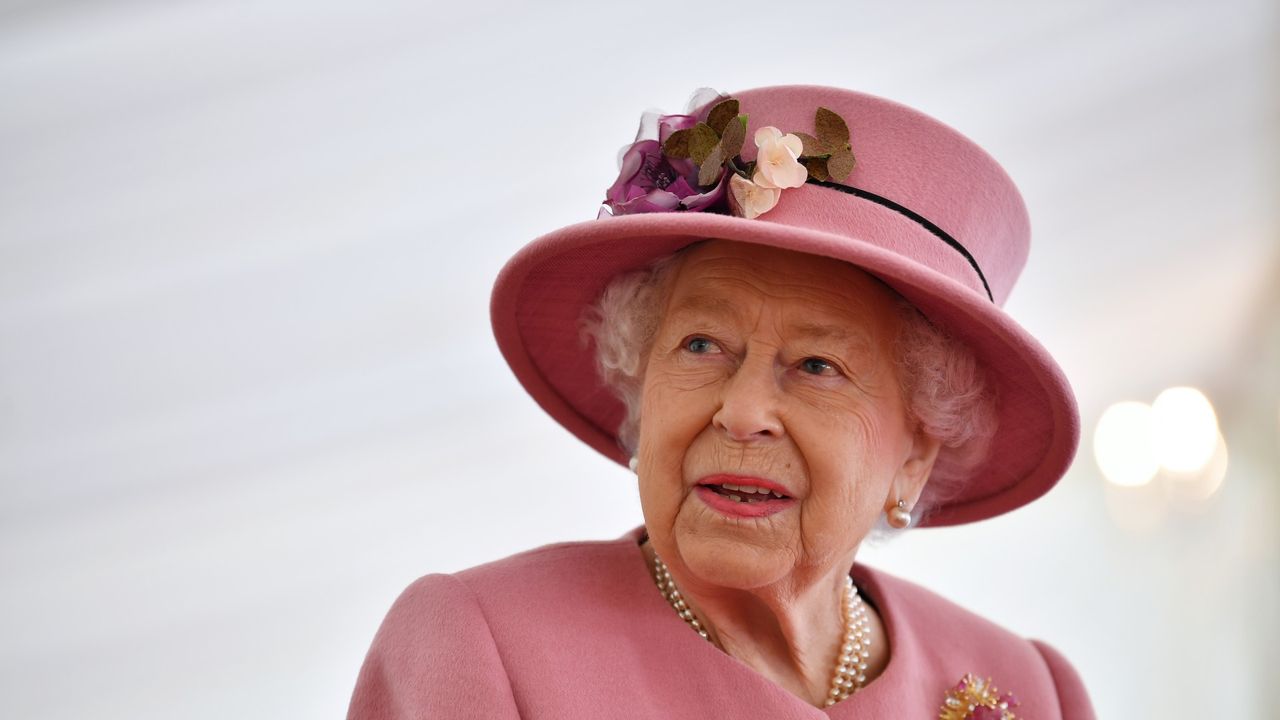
(906, 162)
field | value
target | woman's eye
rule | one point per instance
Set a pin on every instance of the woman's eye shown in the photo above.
(817, 366)
(700, 345)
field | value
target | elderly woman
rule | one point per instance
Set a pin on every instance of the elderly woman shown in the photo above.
(788, 324)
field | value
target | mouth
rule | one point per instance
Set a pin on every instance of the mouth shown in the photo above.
(742, 495)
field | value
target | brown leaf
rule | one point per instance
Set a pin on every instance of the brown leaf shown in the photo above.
(709, 171)
(813, 147)
(831, 128)
(840, 164)
(677, 144)
(733, 135)
(702, 140)
(817, 167)
(721, 114)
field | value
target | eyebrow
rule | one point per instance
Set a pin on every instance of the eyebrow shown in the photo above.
(717, 306)
(709, 304)
(824, 331)
(855, 340)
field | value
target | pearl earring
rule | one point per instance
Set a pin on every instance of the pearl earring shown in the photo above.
(900, 516)
(635, 463)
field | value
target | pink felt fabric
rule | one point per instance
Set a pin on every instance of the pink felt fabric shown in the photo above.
(908, 157)
(578, 630)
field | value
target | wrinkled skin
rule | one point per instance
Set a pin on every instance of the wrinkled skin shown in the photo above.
(778, 365)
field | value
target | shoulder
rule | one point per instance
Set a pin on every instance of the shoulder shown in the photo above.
(582, 562)
(940, 637)
(433, 654)
(568, 584)
(928, 612)
(1071, 691)
(457, 640)
(565, 586)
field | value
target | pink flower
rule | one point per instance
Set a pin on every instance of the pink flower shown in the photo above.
(777, 163)
(750, 200)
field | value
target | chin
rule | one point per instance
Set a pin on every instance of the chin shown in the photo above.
(730, 562)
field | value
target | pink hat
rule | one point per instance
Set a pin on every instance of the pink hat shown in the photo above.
(924, 209)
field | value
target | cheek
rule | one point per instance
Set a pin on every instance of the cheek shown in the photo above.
(850, 458)
(675, 407)
(673, 413)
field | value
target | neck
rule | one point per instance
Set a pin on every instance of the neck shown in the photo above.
(789, 632)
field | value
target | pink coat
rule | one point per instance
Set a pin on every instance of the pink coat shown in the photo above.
(578, 630)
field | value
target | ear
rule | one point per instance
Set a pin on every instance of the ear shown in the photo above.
(913, 473)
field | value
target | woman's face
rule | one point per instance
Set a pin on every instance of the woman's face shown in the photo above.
(772, 370)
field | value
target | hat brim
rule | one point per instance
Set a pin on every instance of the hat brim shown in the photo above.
(541, 294)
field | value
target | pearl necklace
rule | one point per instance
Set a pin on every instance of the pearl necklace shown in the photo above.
(851, 664)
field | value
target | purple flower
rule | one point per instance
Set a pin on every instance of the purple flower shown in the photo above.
(649, 181)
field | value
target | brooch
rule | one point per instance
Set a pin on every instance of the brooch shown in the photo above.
(977, 699)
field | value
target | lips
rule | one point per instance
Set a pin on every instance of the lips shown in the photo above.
(743, 496)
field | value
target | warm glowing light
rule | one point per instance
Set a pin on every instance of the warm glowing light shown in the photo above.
(1185, 429)
(1123, 444)
(1204, 484)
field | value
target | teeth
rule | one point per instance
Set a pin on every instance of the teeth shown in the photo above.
(749, 498)
(749, 493)
(747, 489)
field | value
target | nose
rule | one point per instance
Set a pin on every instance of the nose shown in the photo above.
(749, 403)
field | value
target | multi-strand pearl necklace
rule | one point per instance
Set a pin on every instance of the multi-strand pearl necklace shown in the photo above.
(851, 663)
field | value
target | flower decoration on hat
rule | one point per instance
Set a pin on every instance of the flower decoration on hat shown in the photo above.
(976, 699)
(693, 163)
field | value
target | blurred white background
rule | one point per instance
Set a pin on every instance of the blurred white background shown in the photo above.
(248, 389)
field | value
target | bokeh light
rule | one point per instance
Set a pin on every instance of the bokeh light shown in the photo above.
(1200, 486)
(1184, 429)
(1123, 444)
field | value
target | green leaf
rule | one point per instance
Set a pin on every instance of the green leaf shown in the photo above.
(817, 167)
(813, 147)
(702, 140)
(677, 144)
(831, 128)
(840, 164)
(721, 114)
(711, 168)
(733, 135)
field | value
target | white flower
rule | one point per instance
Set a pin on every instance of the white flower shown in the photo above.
(750, 200)
(777, 165)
